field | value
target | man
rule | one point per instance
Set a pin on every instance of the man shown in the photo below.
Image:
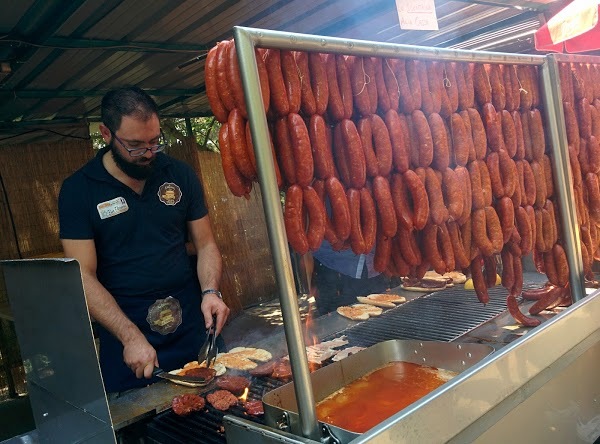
(341, 276)
(125, 216)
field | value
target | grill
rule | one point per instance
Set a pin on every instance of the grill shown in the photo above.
(441, 316)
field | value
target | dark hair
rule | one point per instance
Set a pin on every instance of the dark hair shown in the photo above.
(126, 101)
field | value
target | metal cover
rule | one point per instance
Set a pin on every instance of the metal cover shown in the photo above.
(57, 345)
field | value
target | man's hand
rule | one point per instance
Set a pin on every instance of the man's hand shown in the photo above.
(140, 356)
(211, 306)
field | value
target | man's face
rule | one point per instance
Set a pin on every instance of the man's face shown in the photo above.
(134, 133)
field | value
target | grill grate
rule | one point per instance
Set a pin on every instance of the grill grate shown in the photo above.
(441, 316)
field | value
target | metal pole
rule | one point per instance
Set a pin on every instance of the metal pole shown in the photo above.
(277, 237)
(562, 174)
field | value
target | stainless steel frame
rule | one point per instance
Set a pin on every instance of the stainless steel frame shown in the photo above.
(246, 39)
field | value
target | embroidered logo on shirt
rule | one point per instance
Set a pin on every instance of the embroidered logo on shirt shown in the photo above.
(112, 207)
(164, 316)
(169, 193)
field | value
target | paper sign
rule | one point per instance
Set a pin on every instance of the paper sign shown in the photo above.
(417, 14)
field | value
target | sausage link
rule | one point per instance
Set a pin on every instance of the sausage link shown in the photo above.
(368, 218)
(540, 240)
(335, 104)
(449, 91)
(340, 210)
(540, 183)
(414, 86)
(308, 104)
(385, 206)
(345, 85)
(437, 210)
(425, 140)
(464, 82)
(279, 97)
(593, 148)
(293, 219)
(464, 114)
(516, 87)
(524, 229)
(340, 155)
(530, 184)
(235, 81)
(493, 164)
(493, 127)
(525, 88)
(237, 144)
(536, 131)
(321, 143)
(383, 253)
(420, 199)
(301, 149)
(593, 191)
(486, 185)
(366, 138)
(434, 80)
(460, 140)
(453, 194)
(398, 131)
(409, 247)
(476, 187)
(481, 82)
(480, 234)
(283, 148)
(357, 241)
(584, 117)
(441, 153)
(494, 229)
(478, 133)
(319, 81)
(316, 217)
(513, 309)
(520, 142)
(393, 69)
(479, 281)
(508, 276)
(432, 249)
(400, 265)
(355, 156)
(383, 97)
(508, 171)
(237, 183)
(461, 256)
(223, 89)
(571, 125)
(489, 271)
(402, 203)
(359, 79)
(506, 214)
(508, 88)
(252, 156)
(210, 80)
(497, 85)
(382, 145)
(464, 179)
(509, 133)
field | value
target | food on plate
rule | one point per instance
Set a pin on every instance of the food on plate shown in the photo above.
(282, 370)
(384, 300)
(187, 403)
(218, 368)
(222, 399)
(199, 372)
(254, 407)
(234, 384)
(265, 369)
(243, 358)
(359, 312)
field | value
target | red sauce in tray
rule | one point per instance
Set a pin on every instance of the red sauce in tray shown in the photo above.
(366, 402)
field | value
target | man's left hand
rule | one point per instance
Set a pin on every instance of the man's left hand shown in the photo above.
(212, 305)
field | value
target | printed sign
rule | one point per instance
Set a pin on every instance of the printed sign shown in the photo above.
(112, 207)
(417, 14)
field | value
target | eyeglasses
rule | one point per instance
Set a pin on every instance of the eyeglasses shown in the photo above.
(137, 152)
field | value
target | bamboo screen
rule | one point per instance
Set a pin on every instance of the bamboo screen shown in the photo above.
(32, 175)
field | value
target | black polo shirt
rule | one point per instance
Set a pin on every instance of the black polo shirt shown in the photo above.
(140, 240)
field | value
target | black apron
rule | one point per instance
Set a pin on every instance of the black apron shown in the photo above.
(172, 323)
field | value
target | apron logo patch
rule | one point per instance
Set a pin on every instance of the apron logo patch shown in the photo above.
(164, 316)
(112, 207)
(169, 193)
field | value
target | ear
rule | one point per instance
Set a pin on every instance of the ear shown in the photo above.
(106, 134)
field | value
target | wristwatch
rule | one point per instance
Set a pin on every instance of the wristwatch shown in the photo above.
(213, 291)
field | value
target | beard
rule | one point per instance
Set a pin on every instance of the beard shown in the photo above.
(138, 171)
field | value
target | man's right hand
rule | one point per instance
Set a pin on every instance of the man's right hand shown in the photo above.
(140, 357)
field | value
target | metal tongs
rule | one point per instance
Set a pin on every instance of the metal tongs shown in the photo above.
(209, 350)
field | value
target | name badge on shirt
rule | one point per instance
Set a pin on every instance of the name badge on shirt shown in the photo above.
(112, 207)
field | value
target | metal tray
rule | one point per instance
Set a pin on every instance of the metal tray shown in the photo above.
(281, 411)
